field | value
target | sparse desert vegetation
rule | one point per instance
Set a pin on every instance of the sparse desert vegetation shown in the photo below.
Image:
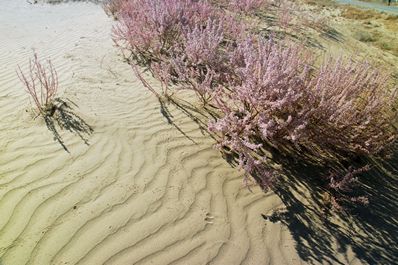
(197, 132)
(267, 93)
(41, 83)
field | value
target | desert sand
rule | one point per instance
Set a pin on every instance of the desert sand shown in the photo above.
(142, 190)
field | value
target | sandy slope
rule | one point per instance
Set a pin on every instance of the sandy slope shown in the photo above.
(143, 191)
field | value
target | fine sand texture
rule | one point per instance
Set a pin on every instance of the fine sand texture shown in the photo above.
(146, 185)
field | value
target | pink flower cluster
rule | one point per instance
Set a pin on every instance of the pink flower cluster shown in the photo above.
(182, 42)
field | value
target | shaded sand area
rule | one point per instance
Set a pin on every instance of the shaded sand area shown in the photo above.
(147, 187)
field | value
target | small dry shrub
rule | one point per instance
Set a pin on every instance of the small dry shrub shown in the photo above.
(41, 83)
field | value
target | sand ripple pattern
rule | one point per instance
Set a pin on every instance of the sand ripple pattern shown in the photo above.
(141, 192)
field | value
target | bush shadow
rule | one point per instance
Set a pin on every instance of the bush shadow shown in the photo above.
(197, 115)
(63, 116)
(371, 231)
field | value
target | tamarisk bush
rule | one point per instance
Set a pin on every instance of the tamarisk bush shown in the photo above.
(41, 83)
(267, 94)
(149, 29)
(264, 102)
(200, 61)
(181, 42)
(355, 109)
(342, 110)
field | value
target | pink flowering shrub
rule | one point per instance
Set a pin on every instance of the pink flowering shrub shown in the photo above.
(41, 83)
(342, 110)
(355, 105)
(182, 42)
(263, 103)
(200, 61)
(150, 29)
(197, 59)
(267, 94)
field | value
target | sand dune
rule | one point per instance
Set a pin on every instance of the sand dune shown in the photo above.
(142, 191)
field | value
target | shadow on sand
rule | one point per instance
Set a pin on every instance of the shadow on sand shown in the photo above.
(63, 116)
(199, 116)
(370, 231)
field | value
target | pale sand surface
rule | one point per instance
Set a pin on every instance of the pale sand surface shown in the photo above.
(143, 191)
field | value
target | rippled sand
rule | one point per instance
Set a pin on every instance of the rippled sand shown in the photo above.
(143, 191)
